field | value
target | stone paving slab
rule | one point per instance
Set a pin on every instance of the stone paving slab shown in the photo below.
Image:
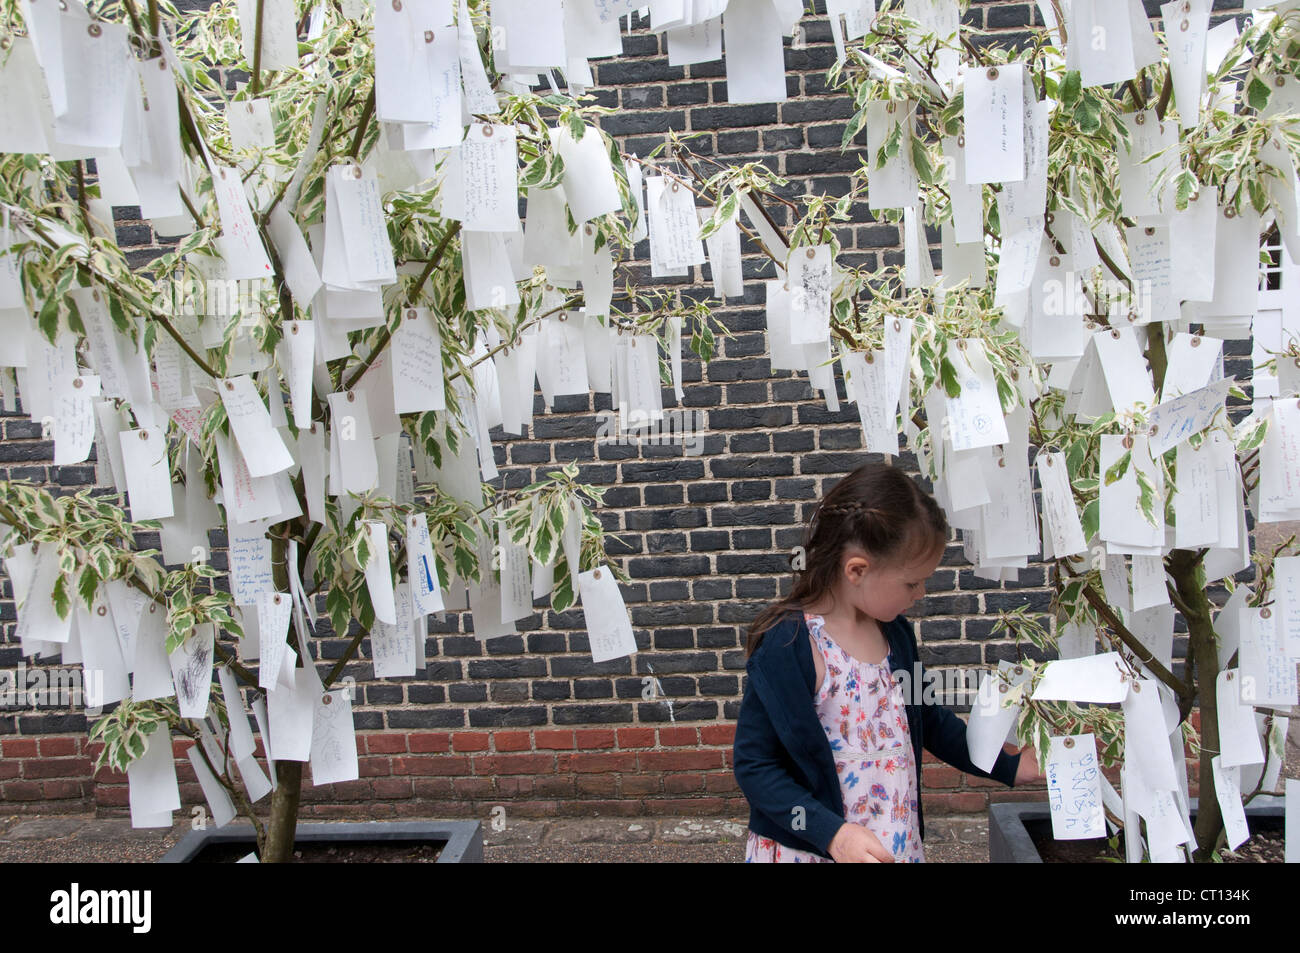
(46, 828)
(597, 830)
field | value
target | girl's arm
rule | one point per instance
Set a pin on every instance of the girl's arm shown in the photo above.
(767, 783)
(945, 738)
(944, 734)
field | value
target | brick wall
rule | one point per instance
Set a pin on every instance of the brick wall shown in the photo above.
(528, 721)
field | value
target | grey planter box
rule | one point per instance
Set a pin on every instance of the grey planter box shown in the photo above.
(1011, 843)
(462, 840)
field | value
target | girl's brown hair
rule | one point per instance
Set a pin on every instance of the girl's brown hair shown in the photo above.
(878, 507)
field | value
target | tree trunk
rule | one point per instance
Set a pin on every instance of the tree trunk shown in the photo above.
(1183, 566)
(283, 824)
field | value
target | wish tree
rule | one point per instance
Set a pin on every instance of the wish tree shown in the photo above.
(1141, 180)
(346, 305)
(349, 301)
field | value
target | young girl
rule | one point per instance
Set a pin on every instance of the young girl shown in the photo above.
(828, 748)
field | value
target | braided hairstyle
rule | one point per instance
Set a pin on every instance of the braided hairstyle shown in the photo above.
(877, 507)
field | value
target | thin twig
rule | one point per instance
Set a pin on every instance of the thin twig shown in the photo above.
(359, 371)
(366, 112)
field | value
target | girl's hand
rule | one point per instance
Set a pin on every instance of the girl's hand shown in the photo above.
(1027, 771)
(854, 844)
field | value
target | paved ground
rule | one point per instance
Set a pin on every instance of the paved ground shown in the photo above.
(83, 838)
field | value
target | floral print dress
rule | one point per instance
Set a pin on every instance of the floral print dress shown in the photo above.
(862, 710)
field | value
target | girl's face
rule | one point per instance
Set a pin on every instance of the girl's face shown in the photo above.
(884, 590)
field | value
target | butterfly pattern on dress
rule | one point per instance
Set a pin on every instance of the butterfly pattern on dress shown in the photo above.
(861, 710)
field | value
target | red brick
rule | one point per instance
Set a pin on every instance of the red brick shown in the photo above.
(449, 765)
(553, 740)
(455, 807)
(964, 802)
(421, 766)
(1016, 795)
(391, 787)
(387, 743)
(432, 787)
(640, 785)
(720, 783)
(974, 782)
(512, 741)
(679, 760)
(428, 741)
(602, 785)
(514, 764)
(21, 791)
(683, 783)
(940, 776)
(59, 768)
(677, 737)
(595, 737)
(8, 770)
(58, 747)
(116, 796)
(374, 767)
(515, 787)
(471, 741)
(348, 812)
(718, 734)
(552, 786)
(358, 790)
(107, 775)
(479, 788)
(18, 747)
(586, 763)
(636, 737)
(536, 808)
(410, 809)
(68, 791)
(352, 791)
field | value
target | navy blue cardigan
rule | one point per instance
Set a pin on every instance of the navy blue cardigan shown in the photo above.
(782, 758)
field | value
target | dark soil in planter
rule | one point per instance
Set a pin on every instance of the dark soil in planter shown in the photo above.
(1264, 846)
(388, 852)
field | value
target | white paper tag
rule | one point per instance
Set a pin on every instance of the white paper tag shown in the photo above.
(422, 567)
(1074, 788)
(994, 117)
(250, 422)
(417, 364)
(333, 739)
(148, 474)
(379, 579)
(352, 444)
(191, 665)
(609, 630)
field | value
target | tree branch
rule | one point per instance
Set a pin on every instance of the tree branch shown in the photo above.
(1101, 607)
(359, 371)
